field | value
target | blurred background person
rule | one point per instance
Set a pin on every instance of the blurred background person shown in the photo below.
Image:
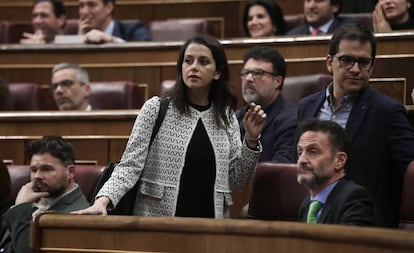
(393, 15)
(321, 17)
(70, 87)
(97, 23)
(263, 18)
(48, 20)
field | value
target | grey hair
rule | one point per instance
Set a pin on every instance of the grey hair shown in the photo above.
(81, 73)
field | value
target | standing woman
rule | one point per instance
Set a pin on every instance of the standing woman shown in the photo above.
(392, 15)
(197, 156)
(263, 18)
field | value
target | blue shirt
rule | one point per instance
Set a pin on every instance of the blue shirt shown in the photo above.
(322, 196)
(341, 114)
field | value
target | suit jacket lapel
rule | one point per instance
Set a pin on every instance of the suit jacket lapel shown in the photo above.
(315, 105)
(331, 198)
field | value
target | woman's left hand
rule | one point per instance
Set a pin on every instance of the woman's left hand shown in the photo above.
(253, 121)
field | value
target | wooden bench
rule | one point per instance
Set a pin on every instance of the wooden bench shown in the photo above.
(90, 233)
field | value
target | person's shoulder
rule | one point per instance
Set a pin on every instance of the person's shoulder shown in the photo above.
(379, 99)
(300, 30)
(152, 101)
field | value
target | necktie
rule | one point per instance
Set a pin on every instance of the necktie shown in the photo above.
(314, 208)
(315, 31)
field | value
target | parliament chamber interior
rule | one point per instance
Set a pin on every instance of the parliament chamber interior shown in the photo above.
(123, 76)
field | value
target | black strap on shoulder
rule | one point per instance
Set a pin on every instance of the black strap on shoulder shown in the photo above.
(161, 115)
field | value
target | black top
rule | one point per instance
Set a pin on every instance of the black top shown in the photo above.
(406, 26)
(196, 194)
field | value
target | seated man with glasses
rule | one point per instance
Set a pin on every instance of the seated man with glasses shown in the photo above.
(262, 80)
(381, 135)
(70, 87)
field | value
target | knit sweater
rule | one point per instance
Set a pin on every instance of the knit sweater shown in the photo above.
(159, 167)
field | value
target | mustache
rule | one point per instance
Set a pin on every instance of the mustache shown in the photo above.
(250, 85)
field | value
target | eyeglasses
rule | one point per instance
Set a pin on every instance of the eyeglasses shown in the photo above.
(347, 62)
(256, 73)
(65, 84)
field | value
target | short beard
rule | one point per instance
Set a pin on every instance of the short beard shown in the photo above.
(315, 181)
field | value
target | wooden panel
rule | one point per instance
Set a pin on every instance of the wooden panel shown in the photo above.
(393, 87)
(93, 123)
(69, 233)
(89, 149)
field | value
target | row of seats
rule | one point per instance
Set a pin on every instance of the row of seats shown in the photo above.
(276, 195)
(170, 29)
(161, 30)
(104, 95)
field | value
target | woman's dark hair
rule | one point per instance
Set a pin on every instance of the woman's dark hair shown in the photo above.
(221, 95)
(275, 13)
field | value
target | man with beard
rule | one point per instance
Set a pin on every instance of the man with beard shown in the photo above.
(323, 151)
(48, 20)
(262, 79)
(52, 187)
(70, 87)
(321, 17)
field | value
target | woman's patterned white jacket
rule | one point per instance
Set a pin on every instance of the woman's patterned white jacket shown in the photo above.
(161, 169)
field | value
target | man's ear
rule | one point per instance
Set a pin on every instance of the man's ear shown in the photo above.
(109, 7)
(87, 90)
(329, 60)
(277, 81)
(61, 21)
(340, 161)
(70, 171)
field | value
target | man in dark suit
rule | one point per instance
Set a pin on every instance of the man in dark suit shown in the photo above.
(96, 22)
(382, 137)
(323, 151)
(262, 79)
(52, 187)
(321, 17)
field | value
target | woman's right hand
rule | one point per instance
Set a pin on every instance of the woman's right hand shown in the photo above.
(99, 207)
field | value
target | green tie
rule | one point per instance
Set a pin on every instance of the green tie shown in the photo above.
(314, 208)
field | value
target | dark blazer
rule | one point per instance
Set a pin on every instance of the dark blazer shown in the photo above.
(347, 203)
(304, 28)
(278, 134)
(19, 217)
(131, 31)
(382, 146)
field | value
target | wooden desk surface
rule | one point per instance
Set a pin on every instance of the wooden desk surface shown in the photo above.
(69, 233)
